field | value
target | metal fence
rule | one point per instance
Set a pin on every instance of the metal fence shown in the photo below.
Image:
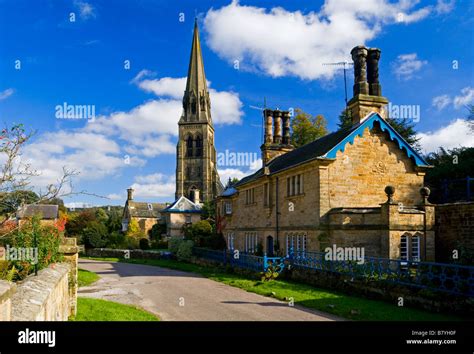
(440, 277)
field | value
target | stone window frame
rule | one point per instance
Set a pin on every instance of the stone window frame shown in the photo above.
(251, 242)
(294, 185)
(227, 207)
(230, 240)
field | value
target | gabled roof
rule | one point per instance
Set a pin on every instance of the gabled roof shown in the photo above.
(228, 192)
(45, 211)
(144, 209)
(183, 205)
(327, 146)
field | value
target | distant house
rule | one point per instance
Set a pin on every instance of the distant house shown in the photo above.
(145, 213)
(48, 213)
(181, 212)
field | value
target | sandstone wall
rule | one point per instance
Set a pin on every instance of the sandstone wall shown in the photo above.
(6, 292)
(44, 297)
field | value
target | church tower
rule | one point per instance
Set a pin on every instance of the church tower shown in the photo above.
(196, 169)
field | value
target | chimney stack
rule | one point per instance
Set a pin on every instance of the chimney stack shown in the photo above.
(275, 143)
(130, 194)
(367, 89)
(286, 128)
(375, 89)
(277, 126)
(268, 114)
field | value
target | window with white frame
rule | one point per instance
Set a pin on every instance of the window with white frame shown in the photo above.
(294, 185)
(251, 242)
(410, 246)
(415, 248)
(228, 207)
(230, 240)
(250, 196)
(297, 242)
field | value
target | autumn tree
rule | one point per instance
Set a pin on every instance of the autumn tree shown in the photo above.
(306, 128)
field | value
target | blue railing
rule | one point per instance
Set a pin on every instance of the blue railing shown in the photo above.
(449, 278)
(446, 278)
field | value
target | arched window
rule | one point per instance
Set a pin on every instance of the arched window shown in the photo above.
(415, 247)
(198, 146)
(404, 239)
(189, 146)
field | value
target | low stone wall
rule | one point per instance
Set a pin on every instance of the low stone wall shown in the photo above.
(113, 253)
(44, 297)
(454, 231)
(7, 290)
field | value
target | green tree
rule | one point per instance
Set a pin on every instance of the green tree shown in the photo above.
(95, 235)
(114, 221)
(402, 126)
(457, 163)
(306, 128)
(9, 202)
(231, 182)
(77, 222)
(101, 216)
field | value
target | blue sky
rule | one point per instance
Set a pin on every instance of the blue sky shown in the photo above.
(251, 49)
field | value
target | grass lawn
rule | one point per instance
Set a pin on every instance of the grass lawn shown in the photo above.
(346, 306)
(102, 310)
(84, 277)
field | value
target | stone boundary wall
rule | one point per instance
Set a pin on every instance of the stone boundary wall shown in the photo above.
(115, 253)
(454, 231)
(7, 290)
(44, 297)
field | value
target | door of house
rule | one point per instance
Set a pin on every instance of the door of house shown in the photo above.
(270, 246)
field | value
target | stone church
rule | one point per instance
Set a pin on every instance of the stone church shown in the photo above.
(196, 170)
(197, 180)
(357, 187)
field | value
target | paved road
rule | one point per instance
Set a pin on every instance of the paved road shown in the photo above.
(180, 296)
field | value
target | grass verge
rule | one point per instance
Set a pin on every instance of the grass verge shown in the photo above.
(102, 310)
(346, 306)
(85, 278)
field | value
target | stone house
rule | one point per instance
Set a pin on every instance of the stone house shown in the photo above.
(145, 213)
(357, 187)
(48, 213)
(182, 212)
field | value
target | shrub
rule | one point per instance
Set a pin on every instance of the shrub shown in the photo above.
(95, 235)
(117, 240)
(47, 243)
(173, 244)
(156, 231)
(7, 270)
(159, 245)
(185, 250)
(144, 244)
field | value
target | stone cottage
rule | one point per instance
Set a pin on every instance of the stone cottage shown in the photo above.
(357, 187)
(145, 213)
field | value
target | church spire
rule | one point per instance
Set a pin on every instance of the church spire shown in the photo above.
(196, 102)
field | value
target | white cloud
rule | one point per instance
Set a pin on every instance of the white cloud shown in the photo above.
(116, 196)
(226, 107)
(7, 93)
(456, 134)
(227, 173)
(443, 7)
(466, 97)
(441, 102)
(154, 186)
(93, 156)
(407, 65)
(278, 42)
(86, 10)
